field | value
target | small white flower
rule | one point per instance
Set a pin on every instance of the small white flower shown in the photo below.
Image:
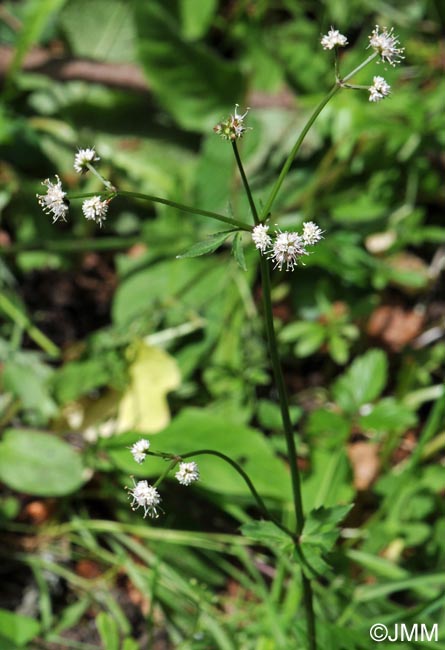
(311, 233)
(386, 44)
(188, 472)
(95, 209)
(332, 39)
(287, 249)
(145, 496)
(233, 127)
(139, 450)
(54, 200)
(82, 158)
(260, 237)
(379, 89)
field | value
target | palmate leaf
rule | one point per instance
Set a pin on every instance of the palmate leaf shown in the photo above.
(319, 535)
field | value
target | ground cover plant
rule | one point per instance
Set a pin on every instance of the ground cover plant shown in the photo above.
(274, 382)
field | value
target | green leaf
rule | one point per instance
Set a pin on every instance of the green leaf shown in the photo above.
(108, 630)
(100, 29)
(388, 415)
(39, 463)
(18, 629)
(319, 535)
(38, 13)
(195, 429)
(28, 379)
(266, 532)
(209, 245)
(189, 79)
(238, 251)
(362, 382)
(196, 17)
(312, 340)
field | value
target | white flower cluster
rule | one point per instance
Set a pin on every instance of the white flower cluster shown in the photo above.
(146, 496)
(382, 41)
(333, 39)
(386, 44)
(55, 202)
(233, 127)
(379, 89)
(83, 158)
(288, 247)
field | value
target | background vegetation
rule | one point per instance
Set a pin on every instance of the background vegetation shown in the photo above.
(104, 334)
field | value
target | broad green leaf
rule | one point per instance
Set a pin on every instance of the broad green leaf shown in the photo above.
(108, 630)
(100, 29)
(189, 283)
(388, 415)
(144, 407)
(28, 379)
(266, 532)
(362, 382)
(39, 463)
(190, 80)
(38, 13)
(209, 245)
(18, 629)
(238, 251)
(196, 17)
(311, 341)
(79, 377)
(196, 429)
(330, 423)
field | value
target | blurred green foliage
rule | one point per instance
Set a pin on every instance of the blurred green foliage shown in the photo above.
(78, 305)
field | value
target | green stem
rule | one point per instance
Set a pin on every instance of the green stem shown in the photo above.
(245, 183)
(294, 151)
(72, 245)
(284, 406)
(241, 225)
(33, 332)
(262, 506)
(290, 441)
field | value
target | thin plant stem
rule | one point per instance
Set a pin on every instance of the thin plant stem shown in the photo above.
(289, 160)
(241, 225)
(8, 307)
(284, 407)
(245, 183)
(262, 506)
(290, 441)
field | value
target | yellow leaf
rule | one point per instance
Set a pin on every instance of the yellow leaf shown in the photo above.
(144, 406)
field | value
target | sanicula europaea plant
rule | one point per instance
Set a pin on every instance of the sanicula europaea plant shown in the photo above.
(277, 249)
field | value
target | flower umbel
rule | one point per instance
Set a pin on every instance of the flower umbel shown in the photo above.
(233, 127)
(95, 209)
(287, 250)
(333, 39)
(379, 89)
(260, 237)
(147, 497)
(187, 473)
(82, 158)
(311, 233)
(139, 450)
(386, 44)
(54, 200)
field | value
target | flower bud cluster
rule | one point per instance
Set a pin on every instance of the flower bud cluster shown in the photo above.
(288, 247)
(233, 127)
(146, 496)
